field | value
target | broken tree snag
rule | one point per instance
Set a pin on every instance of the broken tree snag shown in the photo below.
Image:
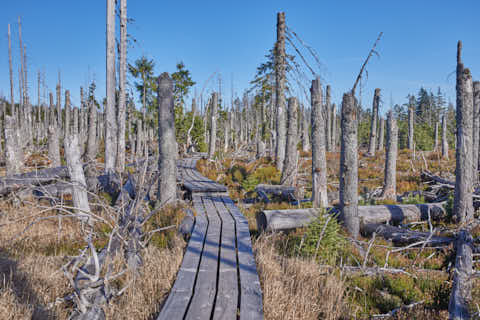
(328, 131)
(305, 135)
(411, 106)
(280, 79)
(444, 137)
(66, 128)
(334, 127)
(110, 117)
(138, 144)
(13, 152)
(476, 127)
(349, 165)
(381, 134)
(460, 296)
(91, 154)
(213, 125)
(54, 146)
(289, 166)
(319, 159)
(373, 127)
(122, 98)
(435, 145)
(390, 180)
(167, 182)
(77, 177)
(463, 206)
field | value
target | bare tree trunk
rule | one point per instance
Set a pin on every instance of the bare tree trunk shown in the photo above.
(66, 127)
(349, 165)
(458, 307)
(92, 147)
(22, 56)
(319, 159)
(435, 146)
(54, 146)
(280, 78)
(390, 179)
(139, 144)
(77, 177)
(305, 131)
(476, 128)
(328, 119)
(59, 107)
(463, 205)
(122, 95)
(75, 122)
(373, 127)
(444, 137)
(289, 167)
(213, 125)
(410, 124)
(110, 121)
(167, 183)
(334, 127)
(381, 135)
(13, 152)
(12, 101)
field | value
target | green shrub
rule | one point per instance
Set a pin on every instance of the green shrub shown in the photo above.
(250, 183)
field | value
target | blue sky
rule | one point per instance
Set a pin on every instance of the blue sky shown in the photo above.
(231, 37)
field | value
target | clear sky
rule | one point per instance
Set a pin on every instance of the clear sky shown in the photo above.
(231, 37)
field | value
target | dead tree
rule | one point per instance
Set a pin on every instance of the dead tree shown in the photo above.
(13, 151)
(381, 134)
(444, 137)
(476, 127)
(464, 154)
(305, 134)
(66, 127)
(59, 102)
(390, 180)
(328, 122)
(435, 145)
(280, 79)
(139, 144)
(167, 182)
(54, 145)
(334, 127)
(373, 127)
(319, 159)
(110, 118)
(92, 148)
(10, 69)
(122, 101)
(213, 125)
(349, 165)
(77, 177)
(290, 164)
(410, 122)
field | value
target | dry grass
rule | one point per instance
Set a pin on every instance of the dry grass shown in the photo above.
(296, 288)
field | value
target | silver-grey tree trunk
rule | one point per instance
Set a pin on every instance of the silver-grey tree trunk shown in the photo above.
(122, 83)
(435, 145)
(328, 120)
(213, 125)
(289, 167)
(334, 127)
(444, 137)
(167, 183)
(66, 127)
(305, 131)
(54, 146)
(410, 123)
(110, 118)
(139, 143)
(59, 106)
(373, 126)
(319, 159)
(92, 146)
(12, 101)
(13, 152)
(280, 78)
(381, 134)
(390, 180)
(476, 128)
(349, 165)
(463, 205)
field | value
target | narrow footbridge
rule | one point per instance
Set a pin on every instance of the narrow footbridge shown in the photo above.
(218, 277)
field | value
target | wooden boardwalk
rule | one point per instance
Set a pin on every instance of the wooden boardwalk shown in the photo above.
(218, 277)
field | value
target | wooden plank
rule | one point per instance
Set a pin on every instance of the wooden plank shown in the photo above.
(201, 305)
(177, 302)
(226, 304)
(251, 306)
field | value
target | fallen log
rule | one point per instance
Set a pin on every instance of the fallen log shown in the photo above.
(16, 182)
(281, 220)
(285, 193)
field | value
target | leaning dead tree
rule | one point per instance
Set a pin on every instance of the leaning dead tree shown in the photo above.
(290, 164)
(110, 117)
(280, 79)
(464, 150)
(373, 127)
(213, 125)
(166, 141)
(319, 159)
(390, 180)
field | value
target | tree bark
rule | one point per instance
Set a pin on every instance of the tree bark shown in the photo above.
(110, 118)
(167, 183)
(435, 145)
(290, 164)
(305, 131)
(12, 101)
(54, 146)
(66, 127)
(120, 159)
(328, 122)
(390, 179)
(381, 135)
(349, 165)
(410, 123)
(373, 127)
(92, 132)
(463, 206)
(280, 78)
(444, 137)
(139, 143)
(476, 128)
(213, 125)
(319, 159)
(13, 152)
(334, 127)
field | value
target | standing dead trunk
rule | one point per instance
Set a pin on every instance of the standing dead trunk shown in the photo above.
(59, 107)
(75, 121)
(410, 123)
(373, 127)
(213, 125)
(280, 78)
(319, 159)
(390, 179)
(122, 82)
(349, 165)
(328, 122)
(334, 127)
(92, 132)
(463, 206)
(13, 152)
(10, 69)
(381, 134)
(444, 137)
(476, 128)
(305, 133)
(289, 167)
(460, 296)
(110, 119)
(54, 146)
(435, 145)
(77, 177)
(167, 183)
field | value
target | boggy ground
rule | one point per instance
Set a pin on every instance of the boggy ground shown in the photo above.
(301, 282)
